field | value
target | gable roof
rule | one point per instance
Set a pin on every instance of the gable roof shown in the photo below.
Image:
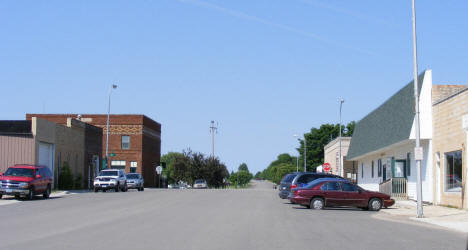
(390, 123)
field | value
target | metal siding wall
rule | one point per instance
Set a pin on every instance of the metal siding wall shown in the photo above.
(16, 150)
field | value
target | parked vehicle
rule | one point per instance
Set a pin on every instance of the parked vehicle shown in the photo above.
(331, 192)
(284, 186)
(111, 179)
(300, 179)
(135, 180)
(26, 180)
(200, 183)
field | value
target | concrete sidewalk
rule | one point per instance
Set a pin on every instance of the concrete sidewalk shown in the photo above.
(453, 218)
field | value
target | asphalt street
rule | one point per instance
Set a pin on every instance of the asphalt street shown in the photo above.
(206, 219)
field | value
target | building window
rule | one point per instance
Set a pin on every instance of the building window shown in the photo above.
(408, 164)
(453, 171)
(125, 142)
(362, 170)
(379, 167)
(372, 169)
(133, 166)
(118, 164)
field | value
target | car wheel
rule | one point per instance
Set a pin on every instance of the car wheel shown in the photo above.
(117, 187)
(375, 204)
(104, 190)
(142, 188)
(31, 193)
(96, 190)
(46, 193)
(317, 203)
(2, 195)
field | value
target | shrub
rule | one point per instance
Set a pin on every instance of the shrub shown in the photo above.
(65, 177)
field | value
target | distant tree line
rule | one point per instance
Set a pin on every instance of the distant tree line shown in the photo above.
(242, 177)
(316, 140)
(189, 166)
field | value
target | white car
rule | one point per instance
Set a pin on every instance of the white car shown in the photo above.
(134, 180)
(200, 183)
(111, 179)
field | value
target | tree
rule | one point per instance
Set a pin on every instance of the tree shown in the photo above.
(317, 138)
(258, 175)
(240, 178)
(243, 167)
(189, 166)
(283, 164)
(169, 159)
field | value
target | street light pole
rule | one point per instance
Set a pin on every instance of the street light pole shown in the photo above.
(416, 108)
(341, 165)
(113, 86)
(305, 153)
(297, 158)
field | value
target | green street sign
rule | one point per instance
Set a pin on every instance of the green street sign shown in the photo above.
(112, 154)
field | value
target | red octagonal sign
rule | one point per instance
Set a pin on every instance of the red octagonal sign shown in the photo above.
(326, 167)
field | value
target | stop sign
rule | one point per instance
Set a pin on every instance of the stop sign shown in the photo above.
(326, 167)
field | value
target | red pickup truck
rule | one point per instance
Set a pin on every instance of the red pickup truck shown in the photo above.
(26, 180)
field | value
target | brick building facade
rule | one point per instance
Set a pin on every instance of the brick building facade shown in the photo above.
(449, 145)
(134, 141)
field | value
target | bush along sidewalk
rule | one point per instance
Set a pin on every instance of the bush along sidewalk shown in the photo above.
(66, 179)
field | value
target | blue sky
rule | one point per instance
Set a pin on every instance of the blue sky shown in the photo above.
(264, 69)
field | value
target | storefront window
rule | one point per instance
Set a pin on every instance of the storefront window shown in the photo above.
(453, 171)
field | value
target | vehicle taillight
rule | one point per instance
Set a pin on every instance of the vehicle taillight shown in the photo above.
(293, 186)
(295, 192)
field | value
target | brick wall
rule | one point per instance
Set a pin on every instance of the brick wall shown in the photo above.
(449, 136)
(440, 92)
(145, 139)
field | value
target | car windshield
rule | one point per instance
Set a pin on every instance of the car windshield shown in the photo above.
(199, 181)
(24, 172)
(132, 176)
(288, 178)
(109, 173)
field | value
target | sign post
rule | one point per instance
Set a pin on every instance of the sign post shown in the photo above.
(159, 171)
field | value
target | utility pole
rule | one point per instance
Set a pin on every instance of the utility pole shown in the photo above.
(113, 86)
(213, 129)
(418, 150)
(341, 166)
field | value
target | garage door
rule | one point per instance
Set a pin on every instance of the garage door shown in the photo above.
(46, 155)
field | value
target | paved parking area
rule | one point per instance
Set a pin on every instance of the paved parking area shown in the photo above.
(206, 219)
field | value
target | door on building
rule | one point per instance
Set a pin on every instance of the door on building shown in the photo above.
(399, 170)
(46, 156)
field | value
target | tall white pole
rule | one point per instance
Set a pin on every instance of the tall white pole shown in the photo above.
(297, 163)
(305, 154)
(212, 130)
(341, 165)
(297, 158)
(113, 86)
(416, 108)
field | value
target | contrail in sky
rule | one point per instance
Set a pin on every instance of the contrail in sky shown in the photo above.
(347, 12)
(244, 16)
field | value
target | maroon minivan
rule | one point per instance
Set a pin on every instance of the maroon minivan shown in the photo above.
(330, 192)
(26, 180)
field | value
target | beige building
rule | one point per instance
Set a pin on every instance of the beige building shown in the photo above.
(332, 156)
(450, 106)
(41, 142)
